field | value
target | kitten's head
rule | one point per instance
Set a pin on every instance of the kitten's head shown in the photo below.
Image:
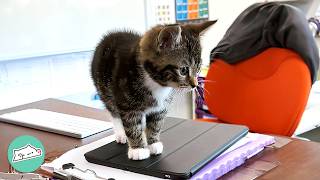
(171, 54)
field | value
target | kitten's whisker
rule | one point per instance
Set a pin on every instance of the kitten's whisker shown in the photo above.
(206, 81)
(218, 52)
(206, 90)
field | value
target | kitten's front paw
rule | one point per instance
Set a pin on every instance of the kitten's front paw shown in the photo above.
(156, 148)
(121, 138)
(138, 153)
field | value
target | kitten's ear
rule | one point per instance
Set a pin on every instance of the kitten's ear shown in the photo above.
(198, 28)
(169, 37)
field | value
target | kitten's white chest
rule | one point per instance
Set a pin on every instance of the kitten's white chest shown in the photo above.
(159, 92)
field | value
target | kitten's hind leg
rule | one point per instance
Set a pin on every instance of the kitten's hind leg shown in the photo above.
(134, 128)
(112, 112)
(154, 122)
(119, 130)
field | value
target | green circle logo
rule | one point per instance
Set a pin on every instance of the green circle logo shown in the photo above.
(26, 153)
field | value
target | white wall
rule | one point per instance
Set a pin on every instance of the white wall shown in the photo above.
(43, 27)
(32, 28)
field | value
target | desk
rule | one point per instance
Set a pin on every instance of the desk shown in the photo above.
(297, 160)
(53, 143)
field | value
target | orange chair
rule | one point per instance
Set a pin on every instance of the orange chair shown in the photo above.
(268, 92)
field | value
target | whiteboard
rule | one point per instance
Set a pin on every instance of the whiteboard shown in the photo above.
(32, 28)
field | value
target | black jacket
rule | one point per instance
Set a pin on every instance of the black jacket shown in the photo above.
(265, 25)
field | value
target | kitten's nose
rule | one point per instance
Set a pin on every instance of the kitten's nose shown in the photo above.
(193, 82)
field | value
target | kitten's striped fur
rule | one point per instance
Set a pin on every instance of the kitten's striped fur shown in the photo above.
(136, 77)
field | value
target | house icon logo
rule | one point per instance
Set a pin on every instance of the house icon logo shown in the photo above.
(26, 153)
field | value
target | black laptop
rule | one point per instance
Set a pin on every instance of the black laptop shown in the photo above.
(188, 146)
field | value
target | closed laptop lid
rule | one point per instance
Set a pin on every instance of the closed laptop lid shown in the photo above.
(188, 146)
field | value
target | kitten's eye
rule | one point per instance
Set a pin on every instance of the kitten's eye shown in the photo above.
(184, 71)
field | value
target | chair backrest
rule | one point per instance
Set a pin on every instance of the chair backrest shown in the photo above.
(268, 92)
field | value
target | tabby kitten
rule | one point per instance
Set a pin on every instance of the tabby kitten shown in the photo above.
(136, 77)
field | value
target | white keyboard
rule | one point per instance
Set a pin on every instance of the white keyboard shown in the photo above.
(70, 125)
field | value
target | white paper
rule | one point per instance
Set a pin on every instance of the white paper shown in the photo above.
(76, 156)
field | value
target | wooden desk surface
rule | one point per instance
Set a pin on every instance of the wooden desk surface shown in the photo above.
(296, 160)
(53, 143)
